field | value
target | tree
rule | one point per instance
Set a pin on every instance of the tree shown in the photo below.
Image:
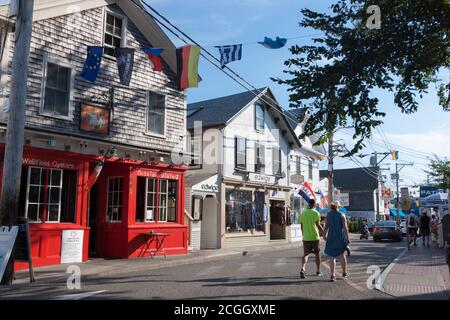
(335, 77)
(439, 170)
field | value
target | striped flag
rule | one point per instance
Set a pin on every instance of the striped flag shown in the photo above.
(94, 175)
(187, 66)
(230, 53)
(394, 155)
(323, 200)
(306, 192)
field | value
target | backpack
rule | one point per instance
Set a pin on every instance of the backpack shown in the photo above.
(412, 221)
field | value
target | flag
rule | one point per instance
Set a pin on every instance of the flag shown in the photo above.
(125, 63)
(323, 200)
(394, 155)
(230, 53)
(306, 192)
(187, 66)
(92, 64)
(273, 44)
(94, 175)
(154, 54)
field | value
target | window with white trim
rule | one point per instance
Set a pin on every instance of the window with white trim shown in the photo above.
(156, 113)
(48, 195)
(114, 34)
(115, 198)
(240, 153)
(57, 86)
(276, 160)
(298, 165)
(260, 163)
(259, 117)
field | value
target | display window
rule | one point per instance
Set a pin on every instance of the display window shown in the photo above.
(244, 211)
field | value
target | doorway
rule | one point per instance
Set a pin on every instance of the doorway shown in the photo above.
(209, 224)
(93, 223)
(277, 220)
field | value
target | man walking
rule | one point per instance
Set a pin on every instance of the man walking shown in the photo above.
(424, 229)
(411, 221)
(310, 223)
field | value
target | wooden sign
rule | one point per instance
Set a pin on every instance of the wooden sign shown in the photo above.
(22, 250)
(95, 119)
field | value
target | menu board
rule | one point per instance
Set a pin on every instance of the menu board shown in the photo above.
(72, 246)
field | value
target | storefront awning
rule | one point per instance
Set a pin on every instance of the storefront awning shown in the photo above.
(312, 154)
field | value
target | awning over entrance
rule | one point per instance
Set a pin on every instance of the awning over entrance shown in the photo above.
(203, 184)
(312, 154)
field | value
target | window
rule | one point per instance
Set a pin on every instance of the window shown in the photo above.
(298, 162)
(259, 117)
(244, 211)
(115, 195)
(114, 34)
(310, 169)
(156, 113)
(260, 158)
(48, 195)
(57, 86)
(240, 151)
(276, 160)
(147, 206)
(195, 148)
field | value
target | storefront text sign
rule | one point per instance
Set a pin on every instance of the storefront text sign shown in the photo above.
(155, 174)
(261, 178)
(7, 239)
(72, 246)
(344, 199)
(209, 185)
(48, 163)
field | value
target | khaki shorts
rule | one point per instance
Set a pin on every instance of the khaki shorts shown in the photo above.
(311, 247)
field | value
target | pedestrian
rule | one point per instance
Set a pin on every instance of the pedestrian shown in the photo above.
(411, 221)
(424, 228)
(310, 224)
(337, 240)
(434, 227)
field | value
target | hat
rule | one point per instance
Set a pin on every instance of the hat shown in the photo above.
(337, 203)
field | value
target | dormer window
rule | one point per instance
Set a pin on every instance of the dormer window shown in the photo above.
(259, 117)
(114, 36)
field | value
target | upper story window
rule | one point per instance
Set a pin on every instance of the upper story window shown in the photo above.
(114, 33)
(276, 160)
(310, 169)
(259, 117)
(156, 113)
(298, 162)
(195, 147)
(260, 162)
(240, 151)
(57, 90)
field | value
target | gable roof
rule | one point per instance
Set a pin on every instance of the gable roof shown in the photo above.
(354, 179)
(47, 9)
(221, 111)
(293, 114)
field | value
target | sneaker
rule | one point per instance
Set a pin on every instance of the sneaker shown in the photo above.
(319, 273)
(333, 279)
(345, 274)
(302, 274)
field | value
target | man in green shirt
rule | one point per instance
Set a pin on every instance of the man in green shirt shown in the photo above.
(310, 222)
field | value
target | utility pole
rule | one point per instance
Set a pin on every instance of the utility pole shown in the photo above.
(376, 164)
(330, 170)
(397, 177)
(12, 166)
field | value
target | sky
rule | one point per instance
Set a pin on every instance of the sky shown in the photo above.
(225, 22)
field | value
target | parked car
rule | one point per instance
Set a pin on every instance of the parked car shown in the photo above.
(386, 230)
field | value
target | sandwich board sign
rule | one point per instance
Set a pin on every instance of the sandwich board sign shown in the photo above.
(7, 239)
(22, 251)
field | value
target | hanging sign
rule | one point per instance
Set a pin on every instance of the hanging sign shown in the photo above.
(72, 246)
(7, 239)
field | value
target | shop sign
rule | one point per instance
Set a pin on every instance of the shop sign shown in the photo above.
(256, 177)
(156, 174)
(95, 119)
(277, 194)
(7, 240)
(48, 163)
(208, 185)
(72, 246)
(426, 191)
(344, 199)
(297, 179)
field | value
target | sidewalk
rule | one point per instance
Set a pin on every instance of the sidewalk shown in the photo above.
(108, 267)
(420, 273)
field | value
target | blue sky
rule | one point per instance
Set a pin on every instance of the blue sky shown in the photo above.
(222, 22)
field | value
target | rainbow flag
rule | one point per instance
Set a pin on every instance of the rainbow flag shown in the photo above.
(394, 155)
(187, 66)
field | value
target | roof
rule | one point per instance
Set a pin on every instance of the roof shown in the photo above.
(218, 111)
(354, 179)
(47, 9)
(293, 114)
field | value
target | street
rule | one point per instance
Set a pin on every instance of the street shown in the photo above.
(255, 275)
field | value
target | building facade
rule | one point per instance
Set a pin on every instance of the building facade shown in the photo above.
(72, 124)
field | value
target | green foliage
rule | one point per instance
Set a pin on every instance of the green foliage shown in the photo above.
(335, 77)
(352, 226)
(439, 170)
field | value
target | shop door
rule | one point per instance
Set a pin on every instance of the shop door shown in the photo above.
(93, 221)
(208, 239)
(277, 220)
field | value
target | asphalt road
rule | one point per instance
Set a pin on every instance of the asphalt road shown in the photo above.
(259, 275)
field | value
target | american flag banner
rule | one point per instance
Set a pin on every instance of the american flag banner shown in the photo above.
(307, 192)
(323, 199)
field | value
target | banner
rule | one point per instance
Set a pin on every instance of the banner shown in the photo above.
(154, 54)
(125, 63)
(229, 54)
(92, 64)
(187, 66)
(306, 192)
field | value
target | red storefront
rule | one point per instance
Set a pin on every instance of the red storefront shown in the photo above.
(128, 199)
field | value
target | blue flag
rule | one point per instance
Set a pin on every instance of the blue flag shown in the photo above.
(273, 44)
(125, 63)
(92, 64)
(230, 53)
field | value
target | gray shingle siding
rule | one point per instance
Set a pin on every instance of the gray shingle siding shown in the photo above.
(58, 40)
